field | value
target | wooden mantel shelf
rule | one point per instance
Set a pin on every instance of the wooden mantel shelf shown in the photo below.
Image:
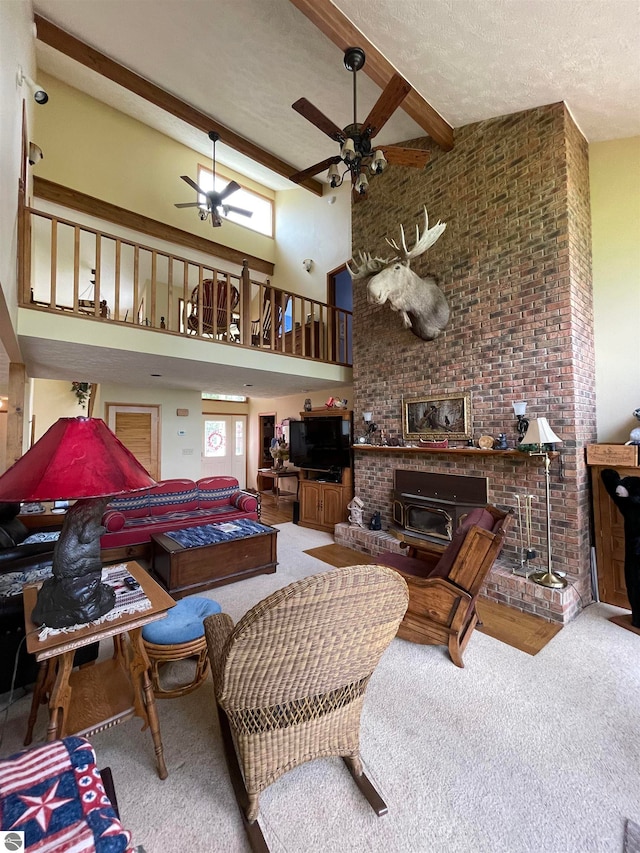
(465, 451)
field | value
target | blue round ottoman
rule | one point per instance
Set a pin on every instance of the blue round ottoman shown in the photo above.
(178, 636)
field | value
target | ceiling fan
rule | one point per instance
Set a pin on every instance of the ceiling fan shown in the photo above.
(214, 199)
(356, 151)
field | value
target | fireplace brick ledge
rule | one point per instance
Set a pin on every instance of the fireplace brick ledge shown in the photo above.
(553, 605)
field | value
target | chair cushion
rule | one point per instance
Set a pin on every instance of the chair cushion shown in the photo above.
(479, 517)
(183, 623)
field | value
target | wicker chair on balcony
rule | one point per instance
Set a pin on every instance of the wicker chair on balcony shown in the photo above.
(224, 298)
(443, 590)
(290, 678)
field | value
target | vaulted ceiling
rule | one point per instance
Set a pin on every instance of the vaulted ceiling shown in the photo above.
(186, 66)
(243, 63)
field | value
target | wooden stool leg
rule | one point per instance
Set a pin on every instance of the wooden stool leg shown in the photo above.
(40, 696)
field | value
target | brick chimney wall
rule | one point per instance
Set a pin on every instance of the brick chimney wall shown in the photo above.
(515, 266)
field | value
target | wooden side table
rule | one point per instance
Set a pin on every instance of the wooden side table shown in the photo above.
(97, 697)
(274, 477)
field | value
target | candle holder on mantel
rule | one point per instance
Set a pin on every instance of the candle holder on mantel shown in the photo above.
(540, 435)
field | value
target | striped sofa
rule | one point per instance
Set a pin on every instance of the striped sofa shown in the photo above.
(170, 505)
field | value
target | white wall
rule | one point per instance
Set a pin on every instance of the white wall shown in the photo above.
(614, 169)
(16, 50)
(308, 226)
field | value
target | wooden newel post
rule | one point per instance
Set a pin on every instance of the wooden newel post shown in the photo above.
(245, 304)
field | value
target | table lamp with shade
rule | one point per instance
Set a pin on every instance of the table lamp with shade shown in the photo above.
(540, 435)
(78, 459)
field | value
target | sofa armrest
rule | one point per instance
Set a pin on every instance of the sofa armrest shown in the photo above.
(245, 501)
(23, 557)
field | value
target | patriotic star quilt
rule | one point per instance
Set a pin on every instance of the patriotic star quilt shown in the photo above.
(54, 793)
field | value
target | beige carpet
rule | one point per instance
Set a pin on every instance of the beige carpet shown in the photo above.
(512, 754)
(523, 631)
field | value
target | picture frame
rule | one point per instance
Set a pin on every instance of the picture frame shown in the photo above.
(436, 417)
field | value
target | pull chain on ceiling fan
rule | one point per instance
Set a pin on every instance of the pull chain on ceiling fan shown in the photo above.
(356, 151)
(214, 199)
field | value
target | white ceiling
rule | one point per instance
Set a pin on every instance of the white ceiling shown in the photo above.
(245, 62)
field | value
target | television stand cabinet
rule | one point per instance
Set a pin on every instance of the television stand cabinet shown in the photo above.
(323, 496)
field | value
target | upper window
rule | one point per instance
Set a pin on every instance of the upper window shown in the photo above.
(260, 206)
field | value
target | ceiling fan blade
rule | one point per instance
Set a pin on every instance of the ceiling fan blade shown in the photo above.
(230, 208)
(193, 184)
(392, 96)
(313, 114)
(398, 156)
(188, 204)
(231, 187)
(313, 170)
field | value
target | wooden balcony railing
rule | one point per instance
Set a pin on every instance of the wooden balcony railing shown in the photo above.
(72, 268)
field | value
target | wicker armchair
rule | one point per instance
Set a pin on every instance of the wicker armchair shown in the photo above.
(290, 678)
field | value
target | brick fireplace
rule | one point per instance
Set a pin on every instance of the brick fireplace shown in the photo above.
(515, 266)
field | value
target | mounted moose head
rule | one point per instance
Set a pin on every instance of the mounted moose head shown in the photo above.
(420, 302)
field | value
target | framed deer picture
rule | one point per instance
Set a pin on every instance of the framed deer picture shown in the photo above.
(444, 416)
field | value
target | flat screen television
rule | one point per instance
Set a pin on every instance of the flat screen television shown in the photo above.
(320, 444)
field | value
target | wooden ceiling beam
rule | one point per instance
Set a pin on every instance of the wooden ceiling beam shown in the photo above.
(339, 29)
(81, 52)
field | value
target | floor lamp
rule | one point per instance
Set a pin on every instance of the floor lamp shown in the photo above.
(540, 434)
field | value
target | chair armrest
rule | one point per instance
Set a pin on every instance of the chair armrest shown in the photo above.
(217, 629)
(444, 602)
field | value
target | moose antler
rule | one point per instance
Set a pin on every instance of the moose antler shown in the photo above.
(428, 238)
(367, 266)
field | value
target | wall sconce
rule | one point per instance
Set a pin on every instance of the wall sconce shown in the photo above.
(307, 264)
(519, 409)
(541, 436)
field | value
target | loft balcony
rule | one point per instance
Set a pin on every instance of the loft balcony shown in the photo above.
(81, 271)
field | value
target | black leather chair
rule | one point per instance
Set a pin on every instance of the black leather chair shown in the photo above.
(18, 557)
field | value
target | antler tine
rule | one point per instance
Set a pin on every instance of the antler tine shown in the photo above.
(428, 238)
(404, 243)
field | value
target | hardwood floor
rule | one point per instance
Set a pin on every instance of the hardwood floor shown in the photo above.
(272, 514)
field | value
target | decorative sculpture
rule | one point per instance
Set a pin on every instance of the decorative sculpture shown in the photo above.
(420, 302)
(355, 508)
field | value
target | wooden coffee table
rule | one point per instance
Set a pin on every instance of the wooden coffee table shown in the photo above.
(185, 571)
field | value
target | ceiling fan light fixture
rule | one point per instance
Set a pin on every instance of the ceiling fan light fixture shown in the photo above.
(333, 176)
(348, 150)
(379, 162)
(361, 184)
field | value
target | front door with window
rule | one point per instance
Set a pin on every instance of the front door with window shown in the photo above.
(224, 447)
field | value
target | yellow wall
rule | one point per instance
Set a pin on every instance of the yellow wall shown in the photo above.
(99, 151)
(615, 215)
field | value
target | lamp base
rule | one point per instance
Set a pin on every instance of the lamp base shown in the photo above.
(548, 579)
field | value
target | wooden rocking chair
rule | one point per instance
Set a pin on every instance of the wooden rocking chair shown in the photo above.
(443, 589)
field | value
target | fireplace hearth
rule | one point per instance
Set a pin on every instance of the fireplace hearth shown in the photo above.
(431, 506)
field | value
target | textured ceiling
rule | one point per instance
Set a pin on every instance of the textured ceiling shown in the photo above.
(244, 62)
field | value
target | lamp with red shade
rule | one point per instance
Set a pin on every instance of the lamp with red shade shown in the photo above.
(77, 459)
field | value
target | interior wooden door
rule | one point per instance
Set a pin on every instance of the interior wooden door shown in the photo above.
(138, 428)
